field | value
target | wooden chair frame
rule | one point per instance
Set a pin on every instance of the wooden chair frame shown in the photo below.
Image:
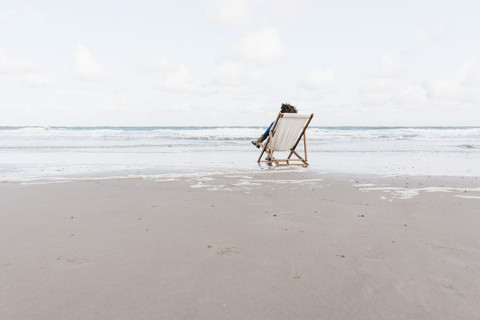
(286, 162)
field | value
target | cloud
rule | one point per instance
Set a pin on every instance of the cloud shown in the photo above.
(119, 104)
(318, 80)
(178, 81)
(181, 108)
(378, 84)
(232, 74)
(241, 13)
(384, 88)
(236, 80)
(32, 13)
(389, 67)
(256, 107)
(391, 92)
(160, 65)
(461, 90)
(375, 97)
(230, 13)
(378, 91)
(10, 15)
(412, 95)
(431, 34)
(443, 88)
(263, 46)
(65, 93)
(463, 72)
(285, 9)
(14, 65)
(96, 86)
(37, 81)
(452, 88)
(85, 66)
(177, 76)
(17, 15)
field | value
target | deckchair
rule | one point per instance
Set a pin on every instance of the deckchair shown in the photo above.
(285, 135)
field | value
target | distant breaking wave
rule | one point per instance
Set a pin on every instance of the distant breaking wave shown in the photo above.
(236, 138)
(28, 153)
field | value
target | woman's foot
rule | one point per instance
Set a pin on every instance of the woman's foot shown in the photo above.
(256, 143)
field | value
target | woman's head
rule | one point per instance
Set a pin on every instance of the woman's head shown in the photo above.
(288, 108)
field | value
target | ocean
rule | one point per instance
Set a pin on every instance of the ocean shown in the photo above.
(62, 153)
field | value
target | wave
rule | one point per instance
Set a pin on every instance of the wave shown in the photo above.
(149, 138)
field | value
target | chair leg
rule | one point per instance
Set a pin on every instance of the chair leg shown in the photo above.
(264, 148)
(261, 154)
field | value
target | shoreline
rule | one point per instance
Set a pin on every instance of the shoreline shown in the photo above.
(277, 245)
(178, 172)
(71, 153)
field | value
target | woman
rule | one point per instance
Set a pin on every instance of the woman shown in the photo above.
(285, 108)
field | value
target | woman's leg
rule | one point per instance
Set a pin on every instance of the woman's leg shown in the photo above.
(267, 132)
(264, 136)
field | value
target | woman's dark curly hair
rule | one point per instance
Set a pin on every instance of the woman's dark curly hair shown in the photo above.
(288, 108)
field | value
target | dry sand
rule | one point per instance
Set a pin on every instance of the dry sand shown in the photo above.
(282, 245)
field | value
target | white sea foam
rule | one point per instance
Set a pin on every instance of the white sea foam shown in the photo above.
(409, 193)
(198, 186)
(284, 181)
(167, 180)
(467, 197)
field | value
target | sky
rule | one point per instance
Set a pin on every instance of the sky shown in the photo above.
(234, 62)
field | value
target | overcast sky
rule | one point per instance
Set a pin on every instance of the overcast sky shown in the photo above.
(233, 62)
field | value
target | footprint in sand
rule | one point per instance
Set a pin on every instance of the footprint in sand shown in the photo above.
(228, 251)
(71, 262)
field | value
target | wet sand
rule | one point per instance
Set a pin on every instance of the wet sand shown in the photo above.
(266, 245)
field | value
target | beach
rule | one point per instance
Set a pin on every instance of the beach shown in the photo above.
(147, 156)
(257, 244)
